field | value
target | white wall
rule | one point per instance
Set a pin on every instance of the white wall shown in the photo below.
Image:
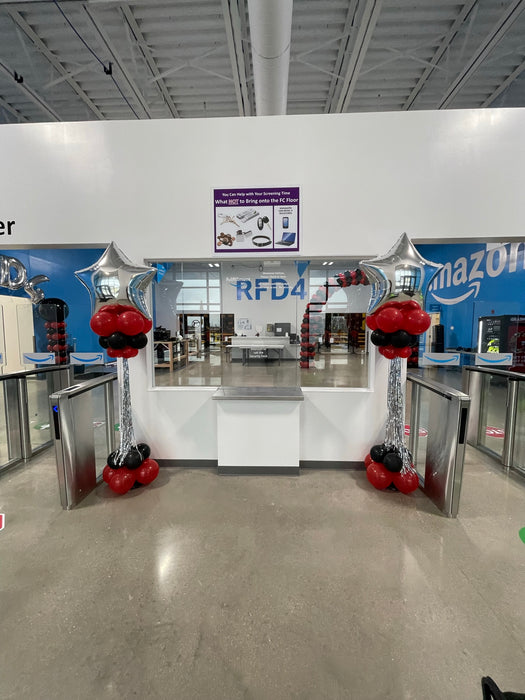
(364, 179)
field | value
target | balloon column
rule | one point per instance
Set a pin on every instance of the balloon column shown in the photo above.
(396, 317)
(121, 321)
(312, 325)
(54, 312)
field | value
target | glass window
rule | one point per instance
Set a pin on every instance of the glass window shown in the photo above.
(260, 323)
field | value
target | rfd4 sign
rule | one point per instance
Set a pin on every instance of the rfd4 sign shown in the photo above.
(277, 287)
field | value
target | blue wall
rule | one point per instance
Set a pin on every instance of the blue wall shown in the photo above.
(478, 281)
(60, 265)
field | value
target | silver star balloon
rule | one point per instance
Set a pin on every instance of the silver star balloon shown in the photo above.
(114, 279)
(399, 275)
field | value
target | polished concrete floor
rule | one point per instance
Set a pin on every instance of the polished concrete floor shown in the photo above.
(334, 368)
(266, 588)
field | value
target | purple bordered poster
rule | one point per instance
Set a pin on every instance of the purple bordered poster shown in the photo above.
(256, 220)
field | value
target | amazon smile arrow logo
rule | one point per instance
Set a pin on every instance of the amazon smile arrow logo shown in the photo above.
(474, 287)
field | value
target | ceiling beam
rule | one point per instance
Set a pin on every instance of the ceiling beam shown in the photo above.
(342, 53)
(504, 85)
(37, 41)
(488, 44)
(148, 57)
(29, 92)
(447, 40)
(12, 110)
(117, 61)
(232, 21)
(364, 35)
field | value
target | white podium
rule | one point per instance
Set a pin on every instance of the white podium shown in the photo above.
(258, 430)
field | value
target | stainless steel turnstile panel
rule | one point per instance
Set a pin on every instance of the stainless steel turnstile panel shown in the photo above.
(446, 438)
(72, 411)
(445, 452)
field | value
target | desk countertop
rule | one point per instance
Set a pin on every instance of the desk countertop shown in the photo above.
(259, 393)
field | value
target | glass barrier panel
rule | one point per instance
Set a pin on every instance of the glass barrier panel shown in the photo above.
(99, 421)
(38, 410)
(10, 443)
(425, 397)
(260, 323)
(518, 458)
(492, 412)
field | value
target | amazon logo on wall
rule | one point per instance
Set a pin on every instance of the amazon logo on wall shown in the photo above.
(475, 271)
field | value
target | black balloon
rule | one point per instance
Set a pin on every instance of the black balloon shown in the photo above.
(117, 340)
(138, 341)
(53, 309)
(103, 341)
(378, 452)
(400, 339)
(133, 459)
(144, 450)
(414, 340)
(393, 462)
(112, 460)
(380, 338)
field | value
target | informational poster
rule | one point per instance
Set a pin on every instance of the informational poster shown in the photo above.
(256, 220)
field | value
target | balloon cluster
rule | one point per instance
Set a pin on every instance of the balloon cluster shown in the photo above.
(122, 473)
(122, 329)
(54, 312)
(312, 325)
(395, 327)
(384, 468)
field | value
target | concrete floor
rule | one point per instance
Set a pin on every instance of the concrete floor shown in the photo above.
(205, 587)
(337, 368)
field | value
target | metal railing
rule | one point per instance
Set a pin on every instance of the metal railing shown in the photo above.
(25, 421)
(497, 419)
(84, 433)
(438, 425)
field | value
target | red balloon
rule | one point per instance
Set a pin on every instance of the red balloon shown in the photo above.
(46, 324)
(390, 319)
(129, 352)
(416, 322)
(378, 476)
(148, 325)
(114, 353)
(61, 325)
(108, 473)
(368, 460)
(371, 322)
(392, 305)
(409, 305)
(147, 472)
(110, 308)
(56, 348)
(388, 351)
(404, 352)
(406, 482)
(103, 323)
(130, 322)
(122, 481)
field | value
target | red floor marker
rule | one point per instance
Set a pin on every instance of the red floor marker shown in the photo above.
(2, 521)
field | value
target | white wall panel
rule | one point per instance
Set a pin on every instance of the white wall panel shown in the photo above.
(364, 179)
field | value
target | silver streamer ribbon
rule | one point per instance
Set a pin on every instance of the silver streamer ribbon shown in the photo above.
(395, 425)
(127, 434)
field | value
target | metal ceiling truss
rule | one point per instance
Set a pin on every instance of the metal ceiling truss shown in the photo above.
(193, 58)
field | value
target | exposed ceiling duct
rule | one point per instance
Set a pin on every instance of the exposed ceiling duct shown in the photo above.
(270, 33)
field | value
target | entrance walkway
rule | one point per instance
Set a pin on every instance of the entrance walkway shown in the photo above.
(205, 587)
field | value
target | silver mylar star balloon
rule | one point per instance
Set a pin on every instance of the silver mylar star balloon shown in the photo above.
(399, 275)
(114, 279)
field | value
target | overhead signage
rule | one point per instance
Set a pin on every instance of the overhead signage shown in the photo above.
(256, 220)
